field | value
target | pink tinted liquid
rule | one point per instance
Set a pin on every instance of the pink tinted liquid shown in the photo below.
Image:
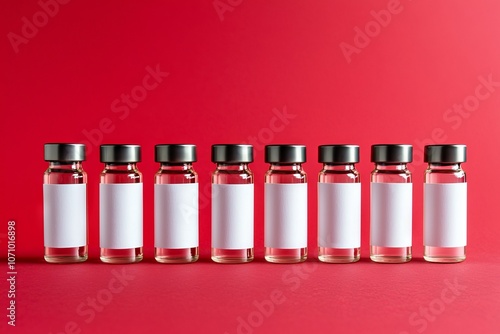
(66, 173)
(285, 173)
(176, 174)
(121, 173)
(449, 173)
(338, 174)
(232, 174)
(390, 173)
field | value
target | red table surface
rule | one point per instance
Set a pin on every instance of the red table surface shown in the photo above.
(259, 297)
(261, 72)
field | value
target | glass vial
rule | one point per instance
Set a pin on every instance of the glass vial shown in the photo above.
(339, 204)
(445, 204)
(391, 204)
(176, 204)
(65, 227)
(232, 204)
(285, 206)
(120, 204)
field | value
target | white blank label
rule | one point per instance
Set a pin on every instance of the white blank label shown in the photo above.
(232, 216)
(64, 215)
(445, 215)
(285, 221)
(176, 215)
(390, 214)
(339, 215)
(120, 223)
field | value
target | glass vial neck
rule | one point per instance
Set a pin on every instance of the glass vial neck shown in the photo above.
(339, 167)
(66, 165)
(285, 167)
(445, 166)
(390, 166)
(121, 166)
(176, 166)
(232, 167)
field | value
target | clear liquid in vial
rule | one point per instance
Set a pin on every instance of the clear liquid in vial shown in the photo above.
(65, 173)
(342, 173)
(176, 174)
(232, 174)
(391, 173)
(450, 173)
(286, 173)
(121, 173)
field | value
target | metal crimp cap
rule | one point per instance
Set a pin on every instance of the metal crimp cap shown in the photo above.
(453, 153)
(120, 153)
(285, 154)
(396, 153)
(338, 154)
(181, 153)
(232, 153)
(64, 152)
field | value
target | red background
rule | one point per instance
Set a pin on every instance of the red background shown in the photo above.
(227, 73)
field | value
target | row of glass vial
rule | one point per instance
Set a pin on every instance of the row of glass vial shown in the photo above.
(176, 204)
